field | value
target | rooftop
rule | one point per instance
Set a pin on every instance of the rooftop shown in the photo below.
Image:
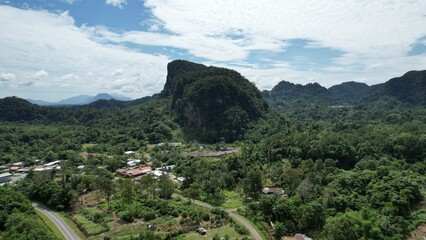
(5, 175)
(279, 191)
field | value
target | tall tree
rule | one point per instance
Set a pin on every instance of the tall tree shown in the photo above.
(107, 187)
(166, 186)
(127, 192)
(252, 184)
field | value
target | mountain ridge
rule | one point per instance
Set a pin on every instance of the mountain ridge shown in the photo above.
(81, 100)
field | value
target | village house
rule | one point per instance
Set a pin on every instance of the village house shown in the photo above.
(14, 169)
(5, 178)
(143, 170)
(270, 191)
(297, 236)
(133, 162)
(129, 152)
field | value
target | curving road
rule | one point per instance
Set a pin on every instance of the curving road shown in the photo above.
(235, 216)
(68, 233)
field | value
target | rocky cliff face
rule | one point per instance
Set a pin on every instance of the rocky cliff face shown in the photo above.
(177, 68)
(210, 99)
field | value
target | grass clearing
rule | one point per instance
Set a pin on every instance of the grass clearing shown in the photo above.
(232, 200)
(228, 200)
(51, 225)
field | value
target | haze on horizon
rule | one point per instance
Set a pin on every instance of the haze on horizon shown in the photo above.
(64, 48)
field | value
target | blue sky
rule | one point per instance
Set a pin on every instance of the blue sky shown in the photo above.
(56, 49)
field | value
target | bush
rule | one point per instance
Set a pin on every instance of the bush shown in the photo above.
(127, 215)
(175, 213)
(220, 213)
(148, 215)
(88, 227)
(94, 215)
(240, 229)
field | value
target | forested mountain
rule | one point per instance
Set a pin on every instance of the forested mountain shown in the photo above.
(352, 91)
(409, 89)
(81, 100)
(286, 95)
(215, 102)
(17, 109)
(210, 103)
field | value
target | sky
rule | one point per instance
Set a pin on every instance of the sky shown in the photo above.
(54, 49)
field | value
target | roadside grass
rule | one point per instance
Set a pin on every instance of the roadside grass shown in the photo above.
(258, 228)
(72, 225)
(51, 225)
(221, 232)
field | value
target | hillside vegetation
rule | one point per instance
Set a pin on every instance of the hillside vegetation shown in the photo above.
(348, 172)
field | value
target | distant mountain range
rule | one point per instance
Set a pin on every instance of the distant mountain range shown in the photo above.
(81, 100)
(407, 90)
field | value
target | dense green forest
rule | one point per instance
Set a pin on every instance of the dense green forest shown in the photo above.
(356, 171)
(18, 219)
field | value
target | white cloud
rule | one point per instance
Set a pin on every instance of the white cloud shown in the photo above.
(372, 36)
(70, 77)
(52, 42)
(353, 26)
(130, 89)
(118, 72)
(25, 84)
(41, 74)
(70, 1)
(116, 3)
(5, 77)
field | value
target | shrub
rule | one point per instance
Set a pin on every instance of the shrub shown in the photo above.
(93, 215)
(127, 215)
(148, 215)
(240, 229)
(175, 213)
(88, 227)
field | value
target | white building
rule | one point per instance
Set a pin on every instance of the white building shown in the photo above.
(5, 178)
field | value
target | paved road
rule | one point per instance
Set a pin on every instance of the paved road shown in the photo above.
(58, 221)
(235, 216)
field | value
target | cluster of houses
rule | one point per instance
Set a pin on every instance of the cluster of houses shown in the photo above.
(18, 171)
(48, 166)
(136, 170)
(14, 167)
(8, 171)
